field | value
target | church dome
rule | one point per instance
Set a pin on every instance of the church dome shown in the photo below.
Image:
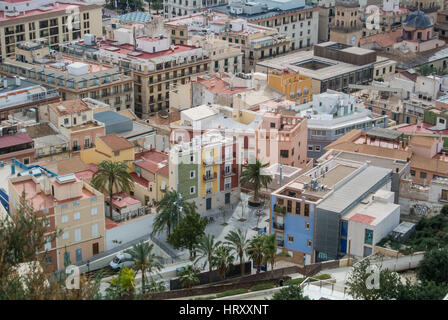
(418, 19)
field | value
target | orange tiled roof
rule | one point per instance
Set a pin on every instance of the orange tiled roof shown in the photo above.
(70, 106)
(422, 141)
(116, 143)
(386, 39)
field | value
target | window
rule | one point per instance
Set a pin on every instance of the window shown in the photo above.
(116, 153)
(290, 238)
(368, 236)
(192, 190)
(64, 219)
(310, 148)
(191, 158)
(272, 124)
(227, 183)
(192, 174)
(78, 235)
(317, 148)
(94, 211)
(298, 205)
(65, 235)
(444, 194)
(309, 243)
(307, 209)
(413, 173)
(77, 216)
(289, 206)
(76, 203)
(307, 226)
(67, 258)
(48, 243)
(423, 175)
(95, 230)
(284, 153)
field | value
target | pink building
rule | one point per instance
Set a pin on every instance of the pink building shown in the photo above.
(282, 136)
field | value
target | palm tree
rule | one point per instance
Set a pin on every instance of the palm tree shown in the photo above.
(112, 175)
(145, 259)
(256, 250)
(238, 241)
(252, 174)
(206, 249)
(223, 260)
(270, 251)
(170, 211)
(189, 276)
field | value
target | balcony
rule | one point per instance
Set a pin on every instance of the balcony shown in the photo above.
(210, 177)
(280, 210)
(280, 243)
(279, 226)
(229, 173)
(76, 148)
(209, 162)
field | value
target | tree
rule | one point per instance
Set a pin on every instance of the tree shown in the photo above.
(255, 250)
(155, 5)
(270, 251)
(170, 211)
(132, 5)
(429, 290)
(206, 250)
(434, 266)
(189, 276)
(252, 174)
(145, 260)
(112, 175)
(123, 285)
(361, 282)
(238, 241)
(223, 260)
(291, 292)
(187, 234)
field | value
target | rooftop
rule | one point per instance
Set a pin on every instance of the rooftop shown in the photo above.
(14, 140)
(116, 143)
(68, 107)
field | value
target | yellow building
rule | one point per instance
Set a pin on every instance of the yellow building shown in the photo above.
(110, 147)
(294, 86)
(209, 170)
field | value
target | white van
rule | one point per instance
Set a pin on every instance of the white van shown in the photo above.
(117, 263)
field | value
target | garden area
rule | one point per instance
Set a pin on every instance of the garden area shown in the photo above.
(429, 233)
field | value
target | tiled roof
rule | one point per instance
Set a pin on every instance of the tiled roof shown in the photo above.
(116, 143)
(14, 140)
(386, 39)
(425, 164)
(72, 165)
(139, 180)
(69, 107)
(153, 161)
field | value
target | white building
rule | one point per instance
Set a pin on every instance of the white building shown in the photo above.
(370, 221)
(177, 8)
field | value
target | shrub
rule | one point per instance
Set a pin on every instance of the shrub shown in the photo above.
(294, 281)
(262, 286)
(323, 276)
(231, 293)
(205, 298)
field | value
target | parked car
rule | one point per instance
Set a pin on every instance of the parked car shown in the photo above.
(118, 262)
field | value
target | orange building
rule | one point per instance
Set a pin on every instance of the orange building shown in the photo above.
(294, 86)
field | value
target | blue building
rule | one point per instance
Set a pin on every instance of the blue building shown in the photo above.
(307, 214)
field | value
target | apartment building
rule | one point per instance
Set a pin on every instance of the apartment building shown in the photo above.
(55, 21)
(240, 125)
(309, 214)
(293, 85)
(333, 114)
(205, 170)
(178, 8)
(224, 56)
(49, 142)
(156, 66)
(73, 76)
(70, 205)
(292, 18)
(282, 139)
(17, 94)
(74, 119)
(255, 41)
